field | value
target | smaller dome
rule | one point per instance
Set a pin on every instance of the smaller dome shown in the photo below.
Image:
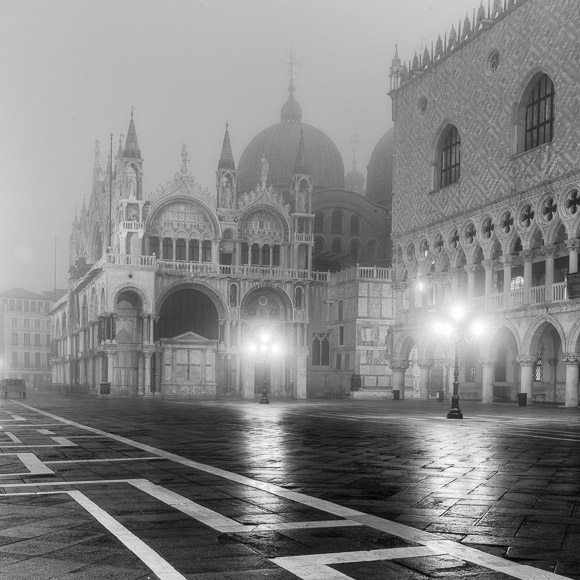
(291, 111)
(354, 180)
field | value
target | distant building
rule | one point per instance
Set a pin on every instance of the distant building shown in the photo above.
(279, 278)
(25, 336)
(486, 197)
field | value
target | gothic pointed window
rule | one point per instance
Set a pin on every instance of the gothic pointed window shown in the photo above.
(449, 157)
(539, 111)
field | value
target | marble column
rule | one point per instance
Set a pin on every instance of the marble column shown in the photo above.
(549, 253)
(526, 363)
(487, 380)
(507, 280)
(573, 245)
(424, 366)
(399, 369)
(527, 256)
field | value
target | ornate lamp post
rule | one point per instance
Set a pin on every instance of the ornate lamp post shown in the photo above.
(267, 349)
(458, 328)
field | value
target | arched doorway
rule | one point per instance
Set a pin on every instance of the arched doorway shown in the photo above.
(188, 330)
(188, 310)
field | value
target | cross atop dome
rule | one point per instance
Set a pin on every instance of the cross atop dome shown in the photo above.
(292, 64)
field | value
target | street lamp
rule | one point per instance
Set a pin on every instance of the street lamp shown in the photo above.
(267, 348)
(458, 328)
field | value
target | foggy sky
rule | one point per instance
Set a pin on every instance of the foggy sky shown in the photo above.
(70, 71)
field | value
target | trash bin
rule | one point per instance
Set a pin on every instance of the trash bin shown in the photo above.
(105, 388)
(522, 399)
(396, 394)
(440, 396)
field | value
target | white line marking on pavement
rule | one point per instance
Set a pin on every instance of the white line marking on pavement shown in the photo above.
(152, 458)
(520, 571)
(31, 462)
(13, 437)
(46, 432)
(163, 569)
(61, 441)
(315, 566)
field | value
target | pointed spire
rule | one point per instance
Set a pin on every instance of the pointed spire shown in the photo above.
(98, 167)
(131, 144)
(291, 110)
(119, 156)
(300, 166)
(227, 158)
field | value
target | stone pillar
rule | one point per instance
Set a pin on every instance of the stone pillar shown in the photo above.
(424, 366)
(527, 256)
(572, 246)
(399, 369)
(507, 280)
(526, 363)
(487, 380)
(488, 265)
(147, 377)
(455, 284)
(549, 252)
(553, 362)
(470, 269)
(110, 366)
(571, 362)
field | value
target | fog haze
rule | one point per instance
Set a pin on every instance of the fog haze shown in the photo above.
(71, 70)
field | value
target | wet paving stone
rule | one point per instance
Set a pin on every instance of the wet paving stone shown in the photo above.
(482, 483)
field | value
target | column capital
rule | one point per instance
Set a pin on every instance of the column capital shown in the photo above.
(506, 260)
(488, 264)
(553, 362)
(572, 244)
(549, 251)
(400, 365)
(486, 362)
(425, 364)
(570, 358)
(400, 286)
(471, 268)
(525, 360)
(527, 255)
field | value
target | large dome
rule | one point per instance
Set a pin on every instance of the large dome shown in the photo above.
(279, 143)
(380, 170)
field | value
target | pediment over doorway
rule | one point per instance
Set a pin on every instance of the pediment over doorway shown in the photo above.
(189, 337)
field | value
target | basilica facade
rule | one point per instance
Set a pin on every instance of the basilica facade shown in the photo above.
(278, 279)
(486, 196)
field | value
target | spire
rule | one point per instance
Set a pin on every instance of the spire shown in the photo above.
(98, 167)
(109, 164)
(300, 166)
(226, 158)
(291, 111)
(131, 144)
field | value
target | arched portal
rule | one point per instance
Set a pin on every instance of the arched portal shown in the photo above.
(506, 371)
(188, 310)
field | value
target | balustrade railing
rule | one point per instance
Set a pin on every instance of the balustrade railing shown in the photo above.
(537, 294)
(304, 238)
(133, 226)
(559, 292)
